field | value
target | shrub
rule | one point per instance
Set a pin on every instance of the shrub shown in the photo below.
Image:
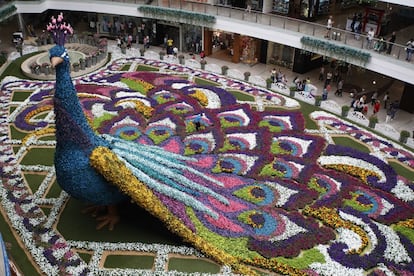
(373, 119)
(404, 136)
(404, 133)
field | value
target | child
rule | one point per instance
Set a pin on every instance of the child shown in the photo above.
(377, 106)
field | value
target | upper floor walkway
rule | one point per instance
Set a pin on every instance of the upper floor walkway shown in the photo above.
(275, 28)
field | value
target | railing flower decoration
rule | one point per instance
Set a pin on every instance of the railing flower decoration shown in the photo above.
(339, 51)
(178, 15)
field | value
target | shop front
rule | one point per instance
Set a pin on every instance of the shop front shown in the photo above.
(234, 47)
(304, 9)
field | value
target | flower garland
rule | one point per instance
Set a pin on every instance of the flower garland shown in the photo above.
(177, 15)
(340, 51)
(7, 11)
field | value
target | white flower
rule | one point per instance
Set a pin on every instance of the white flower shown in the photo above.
(395, 251)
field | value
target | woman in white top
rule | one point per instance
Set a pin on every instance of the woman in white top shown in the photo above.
(370, 37)
(329, 25)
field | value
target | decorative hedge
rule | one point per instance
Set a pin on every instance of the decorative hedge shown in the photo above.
(6, 11)
(339, 51)
(178, 15)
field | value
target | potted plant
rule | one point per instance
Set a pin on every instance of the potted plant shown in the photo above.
(181, 59)
(345, 110)
(88, 61)
(94, 59)
(292, 91)
(47, 68)
(82, 63)
(123, 49)
(203, 63)
(35, 68)
(318, 100)
(142, 51)
(404, 134)
(373, 120)
(246, 75)
(224, 69)
(162, 54)
(75, 66)
(269, 82)
(43, 67)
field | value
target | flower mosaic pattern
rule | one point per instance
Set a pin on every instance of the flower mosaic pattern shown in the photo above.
(290, 192)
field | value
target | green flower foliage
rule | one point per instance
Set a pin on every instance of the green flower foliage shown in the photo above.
(157, 138)
(313, 184)
(133, 85)
(341, 51)
(177, 15)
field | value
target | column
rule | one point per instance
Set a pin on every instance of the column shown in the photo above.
(236, 49)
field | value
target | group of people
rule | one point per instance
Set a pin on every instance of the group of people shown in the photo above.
(278, 76)
(380, 45)
(330, 78)
(360, 104)
(169, 46)
(302, 85)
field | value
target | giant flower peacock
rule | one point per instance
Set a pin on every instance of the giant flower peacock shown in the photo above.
(228, 179)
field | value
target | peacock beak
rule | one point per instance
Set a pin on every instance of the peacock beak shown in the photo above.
(56, 61)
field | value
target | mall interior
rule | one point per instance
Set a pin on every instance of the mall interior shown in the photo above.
(238, 46)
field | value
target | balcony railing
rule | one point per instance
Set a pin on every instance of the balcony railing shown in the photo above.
(287, 23)
(305, 28)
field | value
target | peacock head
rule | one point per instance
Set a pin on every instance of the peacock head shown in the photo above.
(59, 30)
(58, 54)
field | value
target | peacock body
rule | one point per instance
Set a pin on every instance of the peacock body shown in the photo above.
(226, 178)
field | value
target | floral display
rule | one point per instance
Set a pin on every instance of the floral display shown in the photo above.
(343, 52)
(299, 204)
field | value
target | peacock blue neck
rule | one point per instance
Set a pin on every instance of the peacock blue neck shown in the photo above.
(72, 128)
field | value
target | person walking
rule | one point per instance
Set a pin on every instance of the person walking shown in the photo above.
(328, 78)
(409, 49)
(146, 42)
(325, 92)
(370, 37)
(273, 75)
(329, 25)
(322, 73)
(385, 99)
(358, 30)
(394, 108)
(391, 42)
(376, 108)
(339, 88)
(374, 98)
(249, 6)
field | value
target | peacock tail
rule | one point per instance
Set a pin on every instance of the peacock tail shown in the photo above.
(238, 182)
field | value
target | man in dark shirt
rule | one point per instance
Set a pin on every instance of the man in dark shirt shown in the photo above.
(391, 41)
